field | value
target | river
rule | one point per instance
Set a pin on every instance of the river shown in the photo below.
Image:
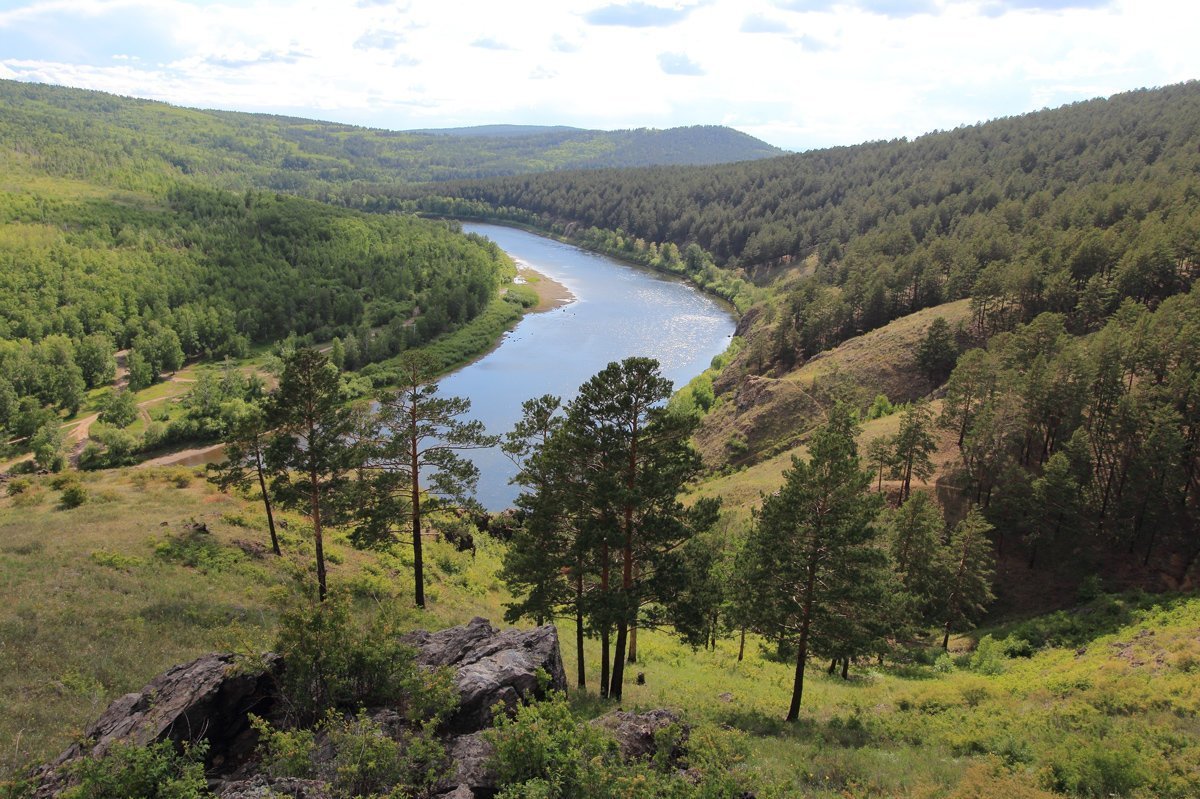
(618, 311)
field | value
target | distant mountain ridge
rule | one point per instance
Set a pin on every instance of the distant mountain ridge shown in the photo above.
(86, 134)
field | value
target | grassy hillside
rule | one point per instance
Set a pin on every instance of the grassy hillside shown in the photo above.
(761, 415)
(1101, 700)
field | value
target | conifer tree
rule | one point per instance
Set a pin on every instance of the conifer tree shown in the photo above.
(911, 447)
(937, 351)
(313, 450)
(245, 456)
(537, 556)
(812, 546)
(968, 567)
(914, 539)
(413, 449)
(620, 423)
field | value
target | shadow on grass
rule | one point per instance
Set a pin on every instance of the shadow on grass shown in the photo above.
(847, 732)
(1081, 625)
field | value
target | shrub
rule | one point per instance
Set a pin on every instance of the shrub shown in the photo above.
(1090, 588)
(988, 657)
(334, 661)
(545, 747)
(157, 771)
(199, 550)
(115, 560)
(29, 498)
(1015, 647)
(285, 753)
(366, 760)
(18, 486)
(74, 495)
(60, 481)
(1098, 769)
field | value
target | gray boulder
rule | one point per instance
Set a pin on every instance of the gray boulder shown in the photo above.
(209, 698)
(635, 732)
(470, 755)
(491, 667)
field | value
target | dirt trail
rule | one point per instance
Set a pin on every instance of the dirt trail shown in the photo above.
(75, 438)
(195, 456)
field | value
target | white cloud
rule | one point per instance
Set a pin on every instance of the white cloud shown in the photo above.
(847, 71)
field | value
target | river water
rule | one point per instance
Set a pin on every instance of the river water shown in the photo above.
(618, 311)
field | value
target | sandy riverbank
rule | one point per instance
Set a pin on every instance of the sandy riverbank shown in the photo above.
(551, 293)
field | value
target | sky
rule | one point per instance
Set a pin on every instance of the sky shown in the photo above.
(800, 74)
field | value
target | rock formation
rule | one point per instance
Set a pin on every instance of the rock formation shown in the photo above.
(212, 697)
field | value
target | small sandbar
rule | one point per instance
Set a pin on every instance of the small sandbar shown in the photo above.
(551, 294)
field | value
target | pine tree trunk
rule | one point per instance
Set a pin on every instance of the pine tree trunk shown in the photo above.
(604, 630)
(315, 500)
(604, 661)
(618, 670)
(802, 647)
(418, 558)
(262, 486)
(581, 672)
(742, 646)
(798, 681)
(845, 668)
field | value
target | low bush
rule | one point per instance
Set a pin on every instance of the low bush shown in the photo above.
(1100, 769)
(156, 771)
(74, 495)
(285, 753)
(334, 660)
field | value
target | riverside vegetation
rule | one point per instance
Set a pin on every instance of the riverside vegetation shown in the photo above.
(964, 392)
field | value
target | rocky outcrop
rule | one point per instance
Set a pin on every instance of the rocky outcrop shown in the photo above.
(636, 733)
(492, 667)
(470, 755)
(212, 697)
(209, 698)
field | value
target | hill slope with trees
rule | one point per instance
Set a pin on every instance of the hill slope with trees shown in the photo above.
(139, 144)
(1063, 241)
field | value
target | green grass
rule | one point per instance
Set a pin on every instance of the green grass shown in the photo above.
(910, 730)
(773, 414)
(101, 598)
(105, 596)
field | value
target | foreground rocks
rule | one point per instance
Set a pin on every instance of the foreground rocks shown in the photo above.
(211, 699)
(637, 733)
(492, 667)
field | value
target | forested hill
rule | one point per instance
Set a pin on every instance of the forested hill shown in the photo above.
(1105, 153)
(1039, 212)
(1054, 256)
(135, 142)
